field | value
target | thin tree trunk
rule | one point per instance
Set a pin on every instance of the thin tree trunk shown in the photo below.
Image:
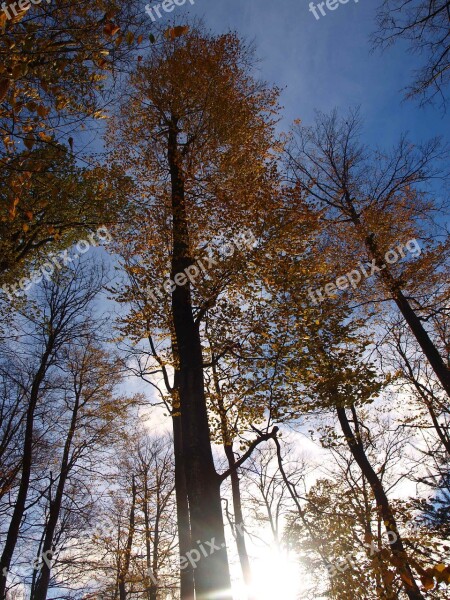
(238, 517)
(235, 485)
(27, 459)
(43, 581)
(428, 347)
(398, 551)
(152, 585)
(127, 558)
(211, 575)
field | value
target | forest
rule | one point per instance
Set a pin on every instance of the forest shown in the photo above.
(224, 300)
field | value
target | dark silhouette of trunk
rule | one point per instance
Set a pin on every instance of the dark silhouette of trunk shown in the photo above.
(125, 566)
(211, 575)
(151, 553)
(235, 485)
(27, 459)
(393, 286)
(400, 558)
(184, 528)
(43, 580)
(238, 516)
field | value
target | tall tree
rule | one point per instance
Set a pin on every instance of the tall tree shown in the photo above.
(211, 129)
(380, 198)
(60, 320)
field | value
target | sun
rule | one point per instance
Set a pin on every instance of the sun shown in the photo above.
(275, 575)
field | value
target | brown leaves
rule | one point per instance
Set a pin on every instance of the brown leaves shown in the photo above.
(111, 29)
(4, 87)
(176, 32)
(427, 582)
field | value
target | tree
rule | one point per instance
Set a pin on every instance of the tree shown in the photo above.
(90, 416)
(373, 199)
(426, 26)
(60, 319)
(211, 129)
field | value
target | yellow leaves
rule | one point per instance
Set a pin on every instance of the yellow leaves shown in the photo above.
(99, 114)
(44, 137)
(176, 32)
(13, 208)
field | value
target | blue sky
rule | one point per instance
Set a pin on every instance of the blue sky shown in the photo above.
(327, 63)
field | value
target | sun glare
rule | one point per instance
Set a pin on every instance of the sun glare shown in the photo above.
(275, 575)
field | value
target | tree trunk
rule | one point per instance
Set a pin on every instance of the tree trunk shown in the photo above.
(43, 581)
(127, 557)
(211, 575)
(184, 527)
(400, 558)
(428, 347)
(235, 485)
(27, 459)
(238, 517)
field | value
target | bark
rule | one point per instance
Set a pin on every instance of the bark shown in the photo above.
(400, 558)
(27, 459)
(151, 586)
(125, 567)
(151, 553)
(43, 581)
(184, 527)
(211, 575)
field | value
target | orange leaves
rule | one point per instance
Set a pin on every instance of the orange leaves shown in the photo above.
(44, 137)
(111, 29)
(176, 32)
(13, 208)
